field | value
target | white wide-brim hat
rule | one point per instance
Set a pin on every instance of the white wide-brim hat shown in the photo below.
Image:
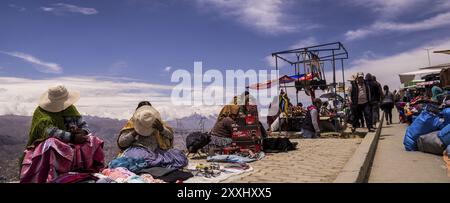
(144, 118)
(58, 98)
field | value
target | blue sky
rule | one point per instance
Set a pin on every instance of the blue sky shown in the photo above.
(147, 40)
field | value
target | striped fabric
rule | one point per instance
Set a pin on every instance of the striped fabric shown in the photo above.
(68, 122)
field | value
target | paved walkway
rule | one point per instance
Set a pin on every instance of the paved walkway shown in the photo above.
(316, 160)
(392, 164)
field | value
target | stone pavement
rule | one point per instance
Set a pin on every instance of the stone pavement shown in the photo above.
(315, 160)
(393, 164)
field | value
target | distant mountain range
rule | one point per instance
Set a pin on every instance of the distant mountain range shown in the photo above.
(14, 135)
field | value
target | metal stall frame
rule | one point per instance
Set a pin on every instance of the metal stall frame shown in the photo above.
(331, 52)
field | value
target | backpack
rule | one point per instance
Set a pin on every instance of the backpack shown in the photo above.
(196, 141)
(280, 144)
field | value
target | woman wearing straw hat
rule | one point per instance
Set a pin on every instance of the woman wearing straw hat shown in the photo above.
(59, 140)
(146, 137)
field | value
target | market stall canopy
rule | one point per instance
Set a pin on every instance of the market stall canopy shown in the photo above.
(443, 52)
(282, 80)
(409, 76)
(428, 83)
(440, 66)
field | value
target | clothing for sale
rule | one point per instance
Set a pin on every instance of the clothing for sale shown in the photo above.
(172, 158)
(132, 164)
(75, 177)
(122, 175)
(150, 179)
(105, 180)
(157, 171)
(118, 174)
(176, 176)
(136, 179)
(53, 157)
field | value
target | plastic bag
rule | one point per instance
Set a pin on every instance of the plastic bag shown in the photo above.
(425, 123)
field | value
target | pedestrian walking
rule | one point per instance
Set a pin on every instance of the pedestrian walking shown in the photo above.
(387, 104)
(360, 96)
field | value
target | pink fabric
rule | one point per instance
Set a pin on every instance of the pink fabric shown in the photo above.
(53, 157)
(116, 173)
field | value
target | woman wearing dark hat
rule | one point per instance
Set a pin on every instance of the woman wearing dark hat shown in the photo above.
(59, 140)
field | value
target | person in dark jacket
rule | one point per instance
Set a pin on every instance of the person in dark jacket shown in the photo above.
(311, 127)
(360, 96)
(376, 97)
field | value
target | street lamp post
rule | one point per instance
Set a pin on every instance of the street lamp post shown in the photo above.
(429, 59)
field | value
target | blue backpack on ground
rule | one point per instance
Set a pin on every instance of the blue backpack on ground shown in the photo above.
(426, 122)
(444, 135)
(446, 115)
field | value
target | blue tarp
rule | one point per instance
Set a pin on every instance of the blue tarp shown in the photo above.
(425, 123)
(446, 115)
(444, 135)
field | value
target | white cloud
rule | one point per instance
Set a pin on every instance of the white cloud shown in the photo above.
(19, 8)
(62, 8)
(388, 8)
(387, 68)
(100, 96)
(168, 68)
(270, 61)
(118, 68)
(267, 16)
(377, 28)
(42, 66)
(310, 41)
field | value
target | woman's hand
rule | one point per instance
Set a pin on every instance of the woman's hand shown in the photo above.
(79, 136)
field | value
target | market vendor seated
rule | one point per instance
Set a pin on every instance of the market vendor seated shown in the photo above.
(310, 127)
(60, 141)
(327, 118)
(223, 128)
(146, 137)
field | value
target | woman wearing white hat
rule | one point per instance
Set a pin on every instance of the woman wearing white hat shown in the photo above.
(59, 139)
(145, 136)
